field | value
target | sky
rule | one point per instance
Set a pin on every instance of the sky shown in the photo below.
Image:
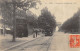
(61, 9)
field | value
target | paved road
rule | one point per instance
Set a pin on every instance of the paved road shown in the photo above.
(60, 42)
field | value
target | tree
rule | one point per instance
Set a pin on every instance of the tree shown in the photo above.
(46, 21)
(72, 24)
(9, 10)
(6, 15)
(32, 20)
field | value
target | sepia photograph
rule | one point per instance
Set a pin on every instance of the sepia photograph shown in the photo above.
(39, 25)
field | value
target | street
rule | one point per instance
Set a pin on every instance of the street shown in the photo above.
(40, 44)
(39, 25)
(58, 42)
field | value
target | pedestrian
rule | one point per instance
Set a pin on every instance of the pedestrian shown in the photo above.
(36, 32)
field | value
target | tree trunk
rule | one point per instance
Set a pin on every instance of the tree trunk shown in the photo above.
(14, 22)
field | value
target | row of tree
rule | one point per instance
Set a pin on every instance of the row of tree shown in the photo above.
(72, 24)
(47, 21)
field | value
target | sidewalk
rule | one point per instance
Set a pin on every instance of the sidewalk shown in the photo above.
(5, 41)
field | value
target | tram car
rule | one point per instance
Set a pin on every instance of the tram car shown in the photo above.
(21, 28)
